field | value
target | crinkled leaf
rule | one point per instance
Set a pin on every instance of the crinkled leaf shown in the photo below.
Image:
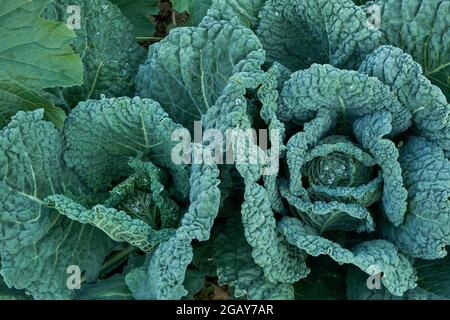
(426, 175)
(113, 288)
(139, 13)
(300, 33)
(426, 102)
(351, 94)
(357, 289)
(372, 257)
(162, 277)
(116, 224)
(422, 29)
(280, 261)
(107, 46)
(433, 283)
(246, 11)
(14, 98)
(236, 267)
(183, 73)
(102, 135)
(37, 244)
(370, 131)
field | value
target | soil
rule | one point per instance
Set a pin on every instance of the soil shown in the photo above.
(166, 20)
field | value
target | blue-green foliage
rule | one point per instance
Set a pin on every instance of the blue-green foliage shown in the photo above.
(358, 123)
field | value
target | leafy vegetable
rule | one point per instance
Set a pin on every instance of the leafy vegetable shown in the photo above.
(107, 48)
(140, 15)
(420, 28)
(35, 55)
(314, 150)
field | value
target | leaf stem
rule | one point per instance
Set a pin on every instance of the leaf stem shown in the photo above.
(148, 38)
(114, 260)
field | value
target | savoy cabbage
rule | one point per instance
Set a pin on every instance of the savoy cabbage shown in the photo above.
(358, 123)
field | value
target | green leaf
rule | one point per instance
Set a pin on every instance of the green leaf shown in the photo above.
(116, 224)
(139, 13)
(420, 28)
(300, 33)
(193, 282)
(163, 275)
(372, 257)
(113, 288)
(433, 283)
(107, 46)
(357, 289)
(426, 102)
(182, 72)
(280, 261)
(102, 135)
(37, 244)
(246, 11)
(426, 175)
(197, 10)
(434, 276)
(14, 98)
(370, 131)
(236, 267)
(351, 94)
(7, 293)
(36, 53)
(325, 282)
(180, 5)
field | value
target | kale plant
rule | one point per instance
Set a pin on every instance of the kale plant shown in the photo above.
(353, 96)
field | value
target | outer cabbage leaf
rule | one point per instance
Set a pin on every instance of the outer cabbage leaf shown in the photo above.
(116, 224)
(102, 135)
(300, 33)
(371, 256)
(422, 29)
(357, 289)
(280, 261)
(113, 288)
(433, 283)
(325, 282)
(37, 244)
(35, 54)
(163, 275)
(183, 73)
(11, 294)
(350, 94)
(246, 11)
(139, 13)
(426, 102)
(370, 131)
(426, 175)
(236, 267)
(194, 282)
(14, 98)
(107, 47)
(197, 10)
